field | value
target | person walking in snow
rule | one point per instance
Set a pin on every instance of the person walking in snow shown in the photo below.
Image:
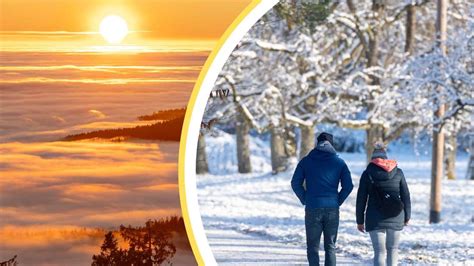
(388, 207)
(315, 182)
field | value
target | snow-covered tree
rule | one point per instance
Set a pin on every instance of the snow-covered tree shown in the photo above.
(445, 79)
(359, 68)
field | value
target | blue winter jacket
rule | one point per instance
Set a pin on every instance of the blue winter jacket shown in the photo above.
(322, 171)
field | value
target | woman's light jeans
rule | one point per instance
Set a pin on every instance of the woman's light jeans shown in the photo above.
(385, 243)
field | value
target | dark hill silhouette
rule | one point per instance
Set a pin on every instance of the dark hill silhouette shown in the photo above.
(164, 115)
(166, 130)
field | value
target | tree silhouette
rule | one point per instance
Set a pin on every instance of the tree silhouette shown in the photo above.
(10, 262)
(148, 245)
(110, 254)
(164, 130)
(164, 115)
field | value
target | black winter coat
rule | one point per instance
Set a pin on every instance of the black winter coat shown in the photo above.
(392, 182)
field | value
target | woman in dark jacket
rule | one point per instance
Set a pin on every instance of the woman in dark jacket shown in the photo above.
(384, 232)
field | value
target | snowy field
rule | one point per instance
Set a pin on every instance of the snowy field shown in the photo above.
(242, 213)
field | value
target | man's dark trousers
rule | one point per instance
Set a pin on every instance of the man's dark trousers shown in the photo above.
(321, 221)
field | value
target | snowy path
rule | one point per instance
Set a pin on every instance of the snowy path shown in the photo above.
(259, 227)
(233, 248)
(252, 213)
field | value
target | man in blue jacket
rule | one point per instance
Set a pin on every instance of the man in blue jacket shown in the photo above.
(315, 183)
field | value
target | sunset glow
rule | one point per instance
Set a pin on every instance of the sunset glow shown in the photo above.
(80, 66)
(114, 29)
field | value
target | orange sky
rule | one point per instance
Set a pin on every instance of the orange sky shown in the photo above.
(60, 77)
(161, 19)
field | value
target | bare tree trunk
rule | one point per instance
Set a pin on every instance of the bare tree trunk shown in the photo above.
(290, 141)
(436, 172)
(438, 136)
(307, 140)
(410, 28)
(451, 151)
(470, 166)
(374, 134)
(243, 150)
(201, 158)
(277, 151)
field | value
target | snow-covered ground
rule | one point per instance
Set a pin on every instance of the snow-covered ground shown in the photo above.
(231, 247)
(263, 207)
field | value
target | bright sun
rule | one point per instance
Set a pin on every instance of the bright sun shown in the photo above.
(113, 28)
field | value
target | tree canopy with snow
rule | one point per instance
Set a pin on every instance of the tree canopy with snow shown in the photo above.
(355, 64)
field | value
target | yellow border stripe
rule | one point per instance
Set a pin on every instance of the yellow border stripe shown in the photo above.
(187, 118)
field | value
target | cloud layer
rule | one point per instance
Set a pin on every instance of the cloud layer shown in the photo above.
(87, 183)
(54, 196)
(57, 198)
(46, 96)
